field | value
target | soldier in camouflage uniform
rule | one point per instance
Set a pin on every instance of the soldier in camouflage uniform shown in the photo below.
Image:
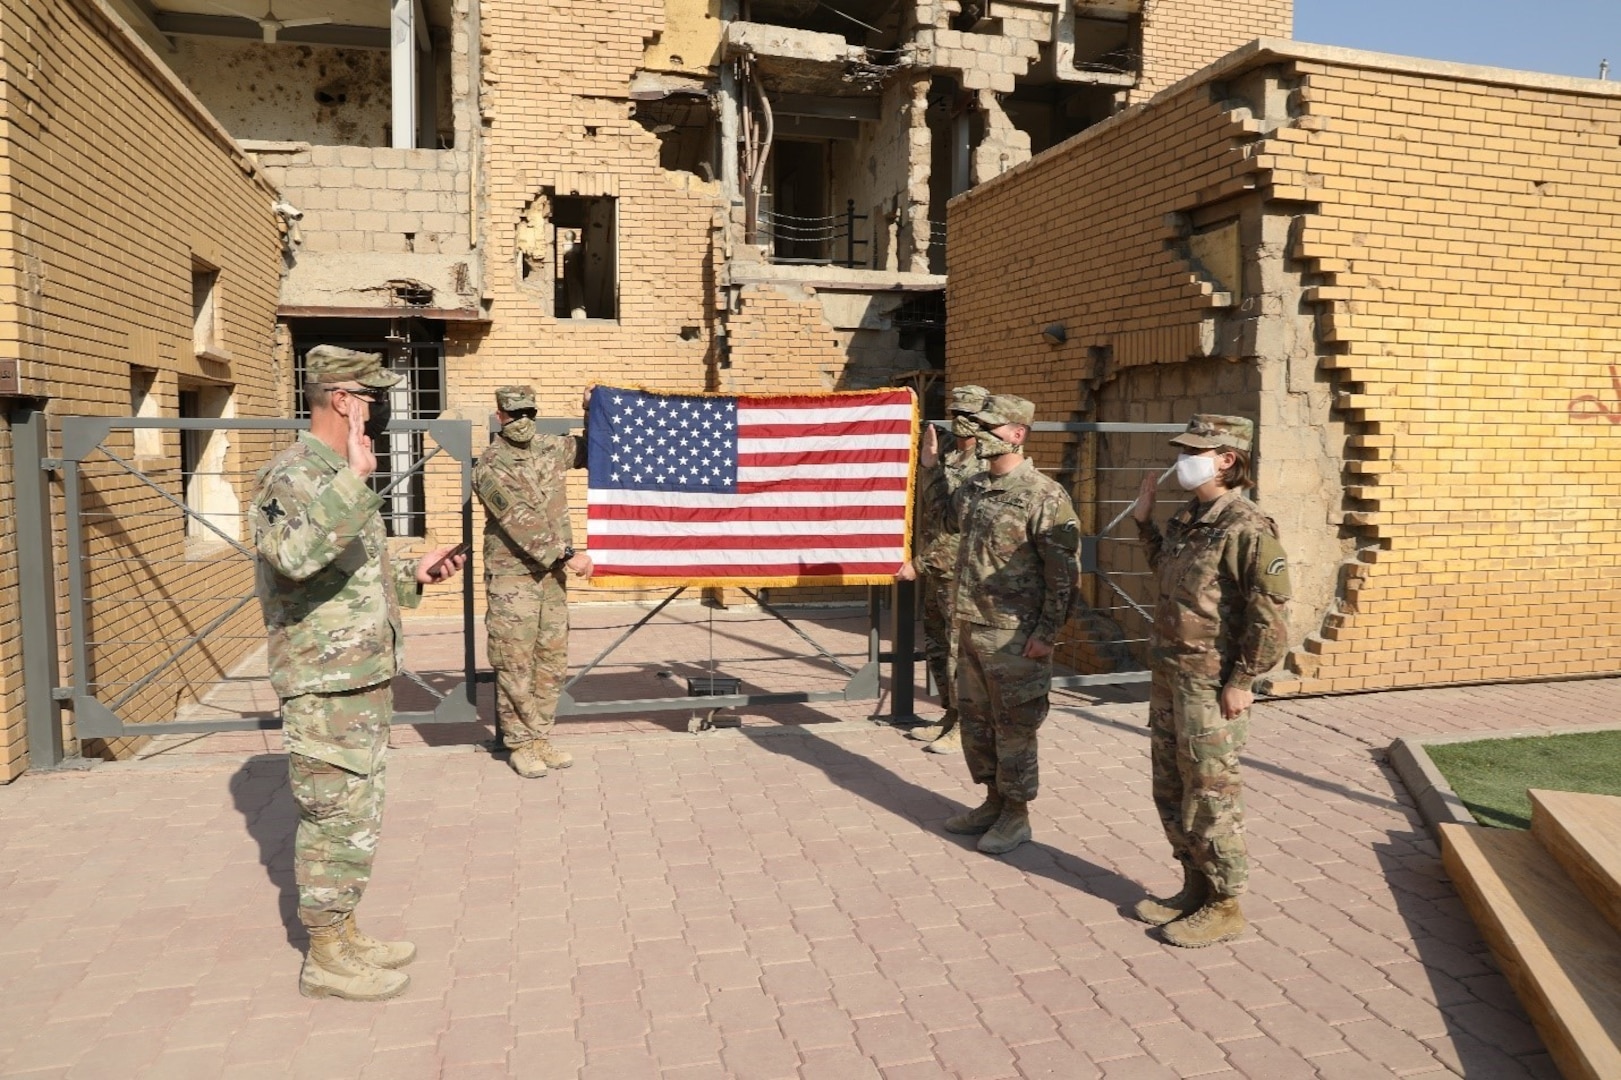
(934, 567)
(331, 598)
(1219, 624)
(528, 546)
(1016, 575)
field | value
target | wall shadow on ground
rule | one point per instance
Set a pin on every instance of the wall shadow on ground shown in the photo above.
(260, 792)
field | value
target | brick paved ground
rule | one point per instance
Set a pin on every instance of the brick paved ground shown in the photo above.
(776, 901)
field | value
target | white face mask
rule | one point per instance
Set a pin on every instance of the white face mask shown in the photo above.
(1192, 471)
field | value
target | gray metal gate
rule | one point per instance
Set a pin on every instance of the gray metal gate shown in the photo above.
(136, 674)
(162, 618)
(1108, 620)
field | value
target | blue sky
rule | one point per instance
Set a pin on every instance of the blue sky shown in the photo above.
(1565, 37)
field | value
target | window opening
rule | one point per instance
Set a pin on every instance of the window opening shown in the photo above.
(205, 310)
(583, 253)
(414, 348)
(685, 125)
(204, 486)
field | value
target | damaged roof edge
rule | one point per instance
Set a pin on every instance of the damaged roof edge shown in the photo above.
(141, 54)
(1285, 50)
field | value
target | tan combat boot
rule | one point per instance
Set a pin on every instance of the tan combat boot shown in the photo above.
(551, 755)
(926, 732)
(1195, 891)
(526, 762)
(1012, 828)
(980, 818)
(1218, 921)
(383, 954)
(331, 969)
(948, 743)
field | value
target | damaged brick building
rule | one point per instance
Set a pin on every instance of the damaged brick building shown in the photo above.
(637, 177)
(736, 195)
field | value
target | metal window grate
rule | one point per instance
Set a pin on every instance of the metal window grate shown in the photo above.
(415, 349)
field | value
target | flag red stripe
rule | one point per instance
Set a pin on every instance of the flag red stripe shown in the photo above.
(829, 427)
(615, 512)
(823, 402)
(752, 570)
(866, 483)
(723, 540)
(823, 457)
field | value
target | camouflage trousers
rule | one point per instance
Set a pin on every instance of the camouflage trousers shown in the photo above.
(1197, 788)
(939, 647)
(527, 624)
(340, 806)
(1001, 701)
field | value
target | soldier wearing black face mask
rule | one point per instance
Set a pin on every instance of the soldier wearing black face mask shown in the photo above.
(521, 478)
(381, 411)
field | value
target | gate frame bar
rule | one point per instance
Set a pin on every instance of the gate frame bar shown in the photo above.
(82, 436)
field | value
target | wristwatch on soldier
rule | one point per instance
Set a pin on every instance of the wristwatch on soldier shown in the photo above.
(568, 553)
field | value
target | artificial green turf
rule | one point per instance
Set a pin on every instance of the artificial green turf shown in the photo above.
(1491, 775)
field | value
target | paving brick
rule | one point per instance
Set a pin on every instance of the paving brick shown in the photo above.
(764, 1054)
(893, 1039)
(1055, 1060)
(1263, 1057)
(837, 1063)
(974, 1053)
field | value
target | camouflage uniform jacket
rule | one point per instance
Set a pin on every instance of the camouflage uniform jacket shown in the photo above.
(937, 538)
(1016, 566)
(330, 595)
(1223, 587)
(523, 489)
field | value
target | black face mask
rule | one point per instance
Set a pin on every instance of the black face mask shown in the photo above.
(378, 416)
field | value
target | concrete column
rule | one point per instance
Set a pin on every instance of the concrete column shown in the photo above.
(402, 55)
(731, 190)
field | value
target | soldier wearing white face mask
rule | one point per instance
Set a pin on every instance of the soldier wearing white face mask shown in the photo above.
(1218, 625)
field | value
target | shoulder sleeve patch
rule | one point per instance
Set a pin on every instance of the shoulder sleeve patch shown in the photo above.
(492, 493)
(1274, 567)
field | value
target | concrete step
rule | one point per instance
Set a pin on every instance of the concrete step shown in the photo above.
(1584, 833)
(1561, 956)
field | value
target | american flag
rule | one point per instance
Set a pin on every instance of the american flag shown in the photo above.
(773, 489)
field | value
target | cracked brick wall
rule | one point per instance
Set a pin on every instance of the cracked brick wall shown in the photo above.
(1422, 325)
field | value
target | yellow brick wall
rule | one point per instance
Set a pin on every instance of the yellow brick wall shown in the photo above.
(1470, 236)
(114, 179)
(1456, 245)
(1179, 37)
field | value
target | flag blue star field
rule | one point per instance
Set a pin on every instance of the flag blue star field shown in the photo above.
(770, 489)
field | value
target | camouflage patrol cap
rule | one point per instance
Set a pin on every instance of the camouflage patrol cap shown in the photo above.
(1211, 431)
(968, 399)
(330, 364)
(1006, 409)
(509, 399)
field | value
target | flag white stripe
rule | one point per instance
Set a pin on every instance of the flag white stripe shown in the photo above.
(705, 500)
(746, 445)
(748, 556)
(841, 414)
(722, 529)
(754, 474)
